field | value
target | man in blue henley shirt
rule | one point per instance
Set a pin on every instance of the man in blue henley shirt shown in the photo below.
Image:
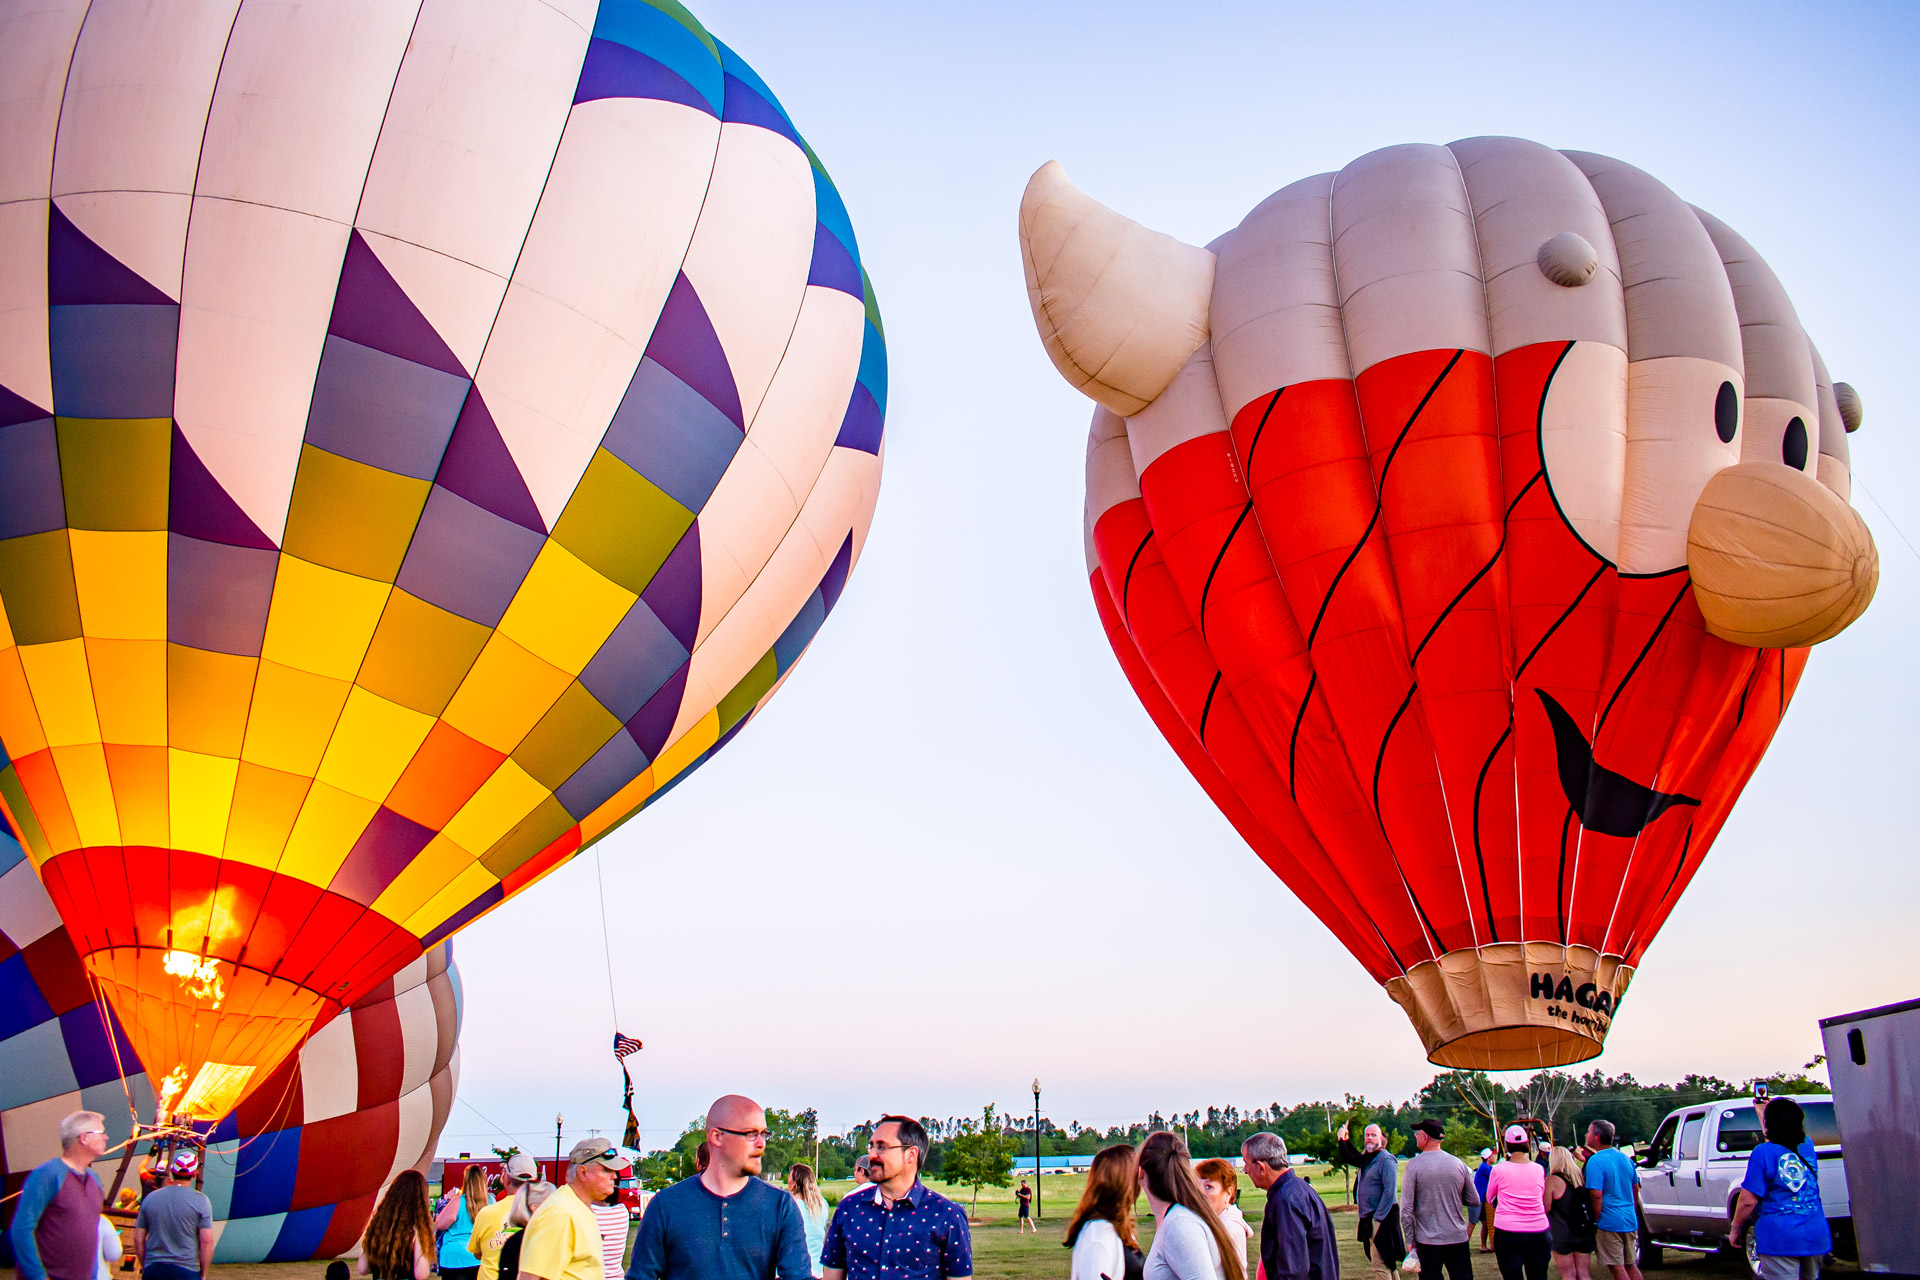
(725, 1223)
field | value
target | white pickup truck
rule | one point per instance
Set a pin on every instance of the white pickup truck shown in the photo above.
(1690, 1176)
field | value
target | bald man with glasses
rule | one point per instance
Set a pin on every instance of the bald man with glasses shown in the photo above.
(725, 1223)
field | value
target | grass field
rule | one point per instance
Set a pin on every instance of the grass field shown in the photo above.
(1001, 1252)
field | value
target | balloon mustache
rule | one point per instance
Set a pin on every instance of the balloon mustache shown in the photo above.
(1607, 803)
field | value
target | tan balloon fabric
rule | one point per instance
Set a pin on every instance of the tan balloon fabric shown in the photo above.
(1405, 256)
(1835, 466)
(1778, 559)
(1119, 307)
(1781, 422)
(1276, 308)
(1512, 1006)
(1526, 196)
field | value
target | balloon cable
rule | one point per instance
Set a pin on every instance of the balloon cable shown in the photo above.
(606, 940)
(108, 1029)
(489, 1119)
(1888, 515)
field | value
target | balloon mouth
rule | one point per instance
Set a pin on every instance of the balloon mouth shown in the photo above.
(1513, 1006)
(207, 1032)
(1491, 1050)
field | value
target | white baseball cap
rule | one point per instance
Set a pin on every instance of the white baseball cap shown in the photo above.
(1516, 1136)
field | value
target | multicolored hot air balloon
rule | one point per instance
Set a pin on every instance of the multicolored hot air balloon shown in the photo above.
(428, 429)
(294, 1171)
(1461, 519)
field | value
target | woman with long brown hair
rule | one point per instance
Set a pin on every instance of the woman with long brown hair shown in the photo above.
(399, 1241)
(1189, 1240)
(1101, 1233)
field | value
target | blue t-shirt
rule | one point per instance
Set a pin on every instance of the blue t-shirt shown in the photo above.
(1612, 1174)
(453, 1245)
(1790, 1222)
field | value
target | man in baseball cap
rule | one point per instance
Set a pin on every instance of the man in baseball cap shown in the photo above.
(563, 1240)
(173, 1235)
(1435, 1186)
(520, 1170)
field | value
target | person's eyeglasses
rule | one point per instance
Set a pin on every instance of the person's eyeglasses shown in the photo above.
(881, 1148)
(751, 1135)
(93, 1133)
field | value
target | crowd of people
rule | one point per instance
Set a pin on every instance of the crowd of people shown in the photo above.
(1555, 1205)
(1568, 1205)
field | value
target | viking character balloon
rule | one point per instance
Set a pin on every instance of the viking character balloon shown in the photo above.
(428, 429)
(294, 1170)
(1462, 519)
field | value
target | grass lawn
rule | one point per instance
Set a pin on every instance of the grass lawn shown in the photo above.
(1002, 1252)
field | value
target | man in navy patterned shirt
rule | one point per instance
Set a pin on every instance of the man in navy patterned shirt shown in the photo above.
(902, 1230)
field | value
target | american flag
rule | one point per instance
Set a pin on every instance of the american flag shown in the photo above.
(624, 1045)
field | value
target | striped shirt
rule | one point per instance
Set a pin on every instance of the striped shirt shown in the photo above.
(613, 1237)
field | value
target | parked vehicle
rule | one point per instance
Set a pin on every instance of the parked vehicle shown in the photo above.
(1690, 1176)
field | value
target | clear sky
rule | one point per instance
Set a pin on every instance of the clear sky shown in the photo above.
(953, 853)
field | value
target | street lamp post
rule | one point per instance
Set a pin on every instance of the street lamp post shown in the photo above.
(1036, 1148)
(558, 1120)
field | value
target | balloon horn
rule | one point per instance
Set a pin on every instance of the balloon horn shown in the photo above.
(1119, 307)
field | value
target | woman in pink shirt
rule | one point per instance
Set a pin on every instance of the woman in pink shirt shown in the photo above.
(1515, 1198)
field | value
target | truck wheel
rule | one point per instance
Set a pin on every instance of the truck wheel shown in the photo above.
(1651, 1255)
(1752, 1251)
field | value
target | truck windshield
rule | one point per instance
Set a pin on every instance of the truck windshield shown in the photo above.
(1740, 1128)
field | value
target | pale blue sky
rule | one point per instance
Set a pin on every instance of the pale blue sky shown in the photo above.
(953, 854)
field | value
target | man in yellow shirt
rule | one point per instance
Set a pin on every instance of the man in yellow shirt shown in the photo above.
(563, 1240)
(489, 1227)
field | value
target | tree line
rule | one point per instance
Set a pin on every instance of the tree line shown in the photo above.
(978, 1150)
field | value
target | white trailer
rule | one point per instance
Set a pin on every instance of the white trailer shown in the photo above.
(1873, 1059)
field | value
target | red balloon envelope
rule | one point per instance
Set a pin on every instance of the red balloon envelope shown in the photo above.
(1461, 520)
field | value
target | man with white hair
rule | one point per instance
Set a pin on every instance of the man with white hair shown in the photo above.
(562, 1242)
(56, 1225)
(1296, 1233)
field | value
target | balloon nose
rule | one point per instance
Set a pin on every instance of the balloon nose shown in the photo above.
(1778, 559)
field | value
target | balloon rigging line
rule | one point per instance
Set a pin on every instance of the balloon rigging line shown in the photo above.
(489, 1119)
(606, 942)
(1889, 515)
(113, 1041)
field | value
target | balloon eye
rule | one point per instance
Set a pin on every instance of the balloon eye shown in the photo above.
(1726, 412)
(1793, 449)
